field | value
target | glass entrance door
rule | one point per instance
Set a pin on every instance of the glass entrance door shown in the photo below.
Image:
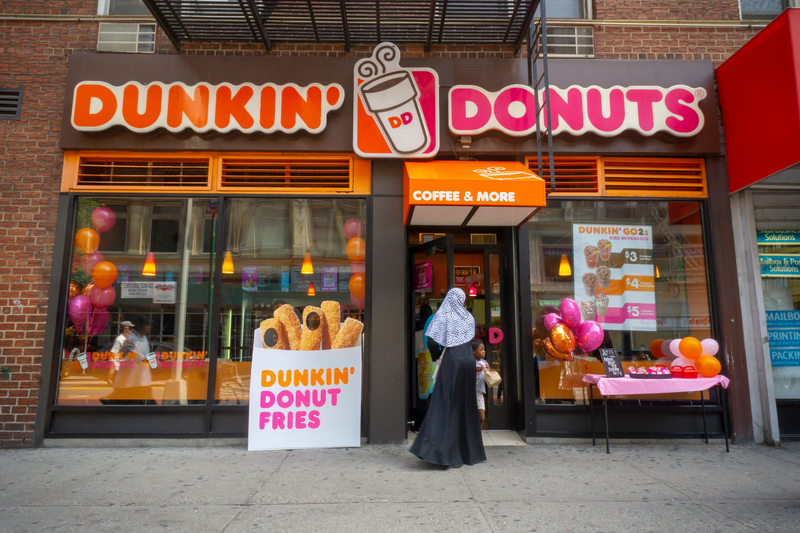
(480, 270)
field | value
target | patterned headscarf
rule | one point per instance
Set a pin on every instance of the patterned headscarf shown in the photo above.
(452, 325)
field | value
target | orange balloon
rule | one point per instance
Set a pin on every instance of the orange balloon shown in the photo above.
(87, 240)
(356, 249)
(357, 285)
(655, 348)
(104, 274)
(690, 348)
(708, 366)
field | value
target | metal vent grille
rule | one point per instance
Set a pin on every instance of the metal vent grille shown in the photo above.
(10, 103)
(329, 173)
(574, 175)
(106, 172)
(654, 177)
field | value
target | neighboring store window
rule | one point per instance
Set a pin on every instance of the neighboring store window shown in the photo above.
(762, 9)
(650, 284)
(778, 235)
(265, 243)
(144, 339)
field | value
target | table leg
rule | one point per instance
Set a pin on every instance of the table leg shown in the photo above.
(591, 410)
(605, 408)
(703, 405)
(724, 416)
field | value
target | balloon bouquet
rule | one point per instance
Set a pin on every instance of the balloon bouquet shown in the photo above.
(356, 251)
(561, 333)
(87, 307)
(689, 351)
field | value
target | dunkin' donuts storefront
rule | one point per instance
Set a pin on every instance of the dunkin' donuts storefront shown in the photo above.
(215, 190)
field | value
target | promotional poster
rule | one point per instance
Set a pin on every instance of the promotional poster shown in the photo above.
(614, 275)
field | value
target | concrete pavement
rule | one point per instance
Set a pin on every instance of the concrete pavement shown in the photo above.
(544, 488)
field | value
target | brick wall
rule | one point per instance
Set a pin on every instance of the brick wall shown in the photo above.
(33, 55)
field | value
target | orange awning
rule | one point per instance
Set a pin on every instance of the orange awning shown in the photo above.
(471, 193)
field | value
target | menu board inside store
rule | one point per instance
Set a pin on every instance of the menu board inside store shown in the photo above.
(614, 275)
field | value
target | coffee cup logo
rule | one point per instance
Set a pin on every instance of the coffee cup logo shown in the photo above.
(393, 98)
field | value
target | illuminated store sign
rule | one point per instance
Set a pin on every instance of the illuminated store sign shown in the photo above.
(578, 110)
(248, 108)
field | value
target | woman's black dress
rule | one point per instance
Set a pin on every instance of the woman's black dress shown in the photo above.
(451, 432)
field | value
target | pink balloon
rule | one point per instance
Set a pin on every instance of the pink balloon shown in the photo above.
(78, 309)
(98, 322)
(102, 298)
(674, 347)
(570, 313)
(358, 268)
(358, 302)
(589, 335)
(353, 228)
(103, 219)
(478, 277)
(551, 320)
(710, 346)
(469, 280)
(89, 261)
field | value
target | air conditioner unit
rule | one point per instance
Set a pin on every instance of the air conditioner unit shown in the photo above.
(130, 37)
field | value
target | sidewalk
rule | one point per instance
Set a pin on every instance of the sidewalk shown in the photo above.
(552, 488)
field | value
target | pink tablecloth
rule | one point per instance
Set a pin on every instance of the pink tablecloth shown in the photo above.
(628, 385)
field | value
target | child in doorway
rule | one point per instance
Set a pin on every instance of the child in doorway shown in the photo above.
(479, 351)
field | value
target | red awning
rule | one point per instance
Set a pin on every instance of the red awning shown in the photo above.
(759, 92)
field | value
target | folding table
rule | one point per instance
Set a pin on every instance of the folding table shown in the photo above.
(627, 386)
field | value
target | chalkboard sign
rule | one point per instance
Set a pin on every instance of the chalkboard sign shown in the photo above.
(611, 363)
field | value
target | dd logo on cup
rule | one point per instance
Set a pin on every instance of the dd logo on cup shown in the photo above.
(397, 110)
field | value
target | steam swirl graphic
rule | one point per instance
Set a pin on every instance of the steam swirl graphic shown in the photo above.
(385, 57)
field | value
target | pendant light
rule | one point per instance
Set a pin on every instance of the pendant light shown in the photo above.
(307, 267)
(311, 290)
(658, 272)
(472, 290)
(227, 264)
(563, 268)
(149, 265)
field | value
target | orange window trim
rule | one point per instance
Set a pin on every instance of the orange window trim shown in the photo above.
(360, 172)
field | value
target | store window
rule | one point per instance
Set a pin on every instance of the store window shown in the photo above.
(636, 267)
(778, 236)
(267, 243)
(137, 326)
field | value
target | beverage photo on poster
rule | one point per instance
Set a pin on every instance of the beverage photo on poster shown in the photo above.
(614, 275)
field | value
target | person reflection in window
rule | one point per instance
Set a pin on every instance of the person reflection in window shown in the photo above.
(132, 383)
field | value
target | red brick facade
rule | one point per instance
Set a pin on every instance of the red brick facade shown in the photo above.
(33, 55)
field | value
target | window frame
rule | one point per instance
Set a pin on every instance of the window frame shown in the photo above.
(209, 420)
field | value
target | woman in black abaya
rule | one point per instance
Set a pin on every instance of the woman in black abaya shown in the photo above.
(451, 432)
